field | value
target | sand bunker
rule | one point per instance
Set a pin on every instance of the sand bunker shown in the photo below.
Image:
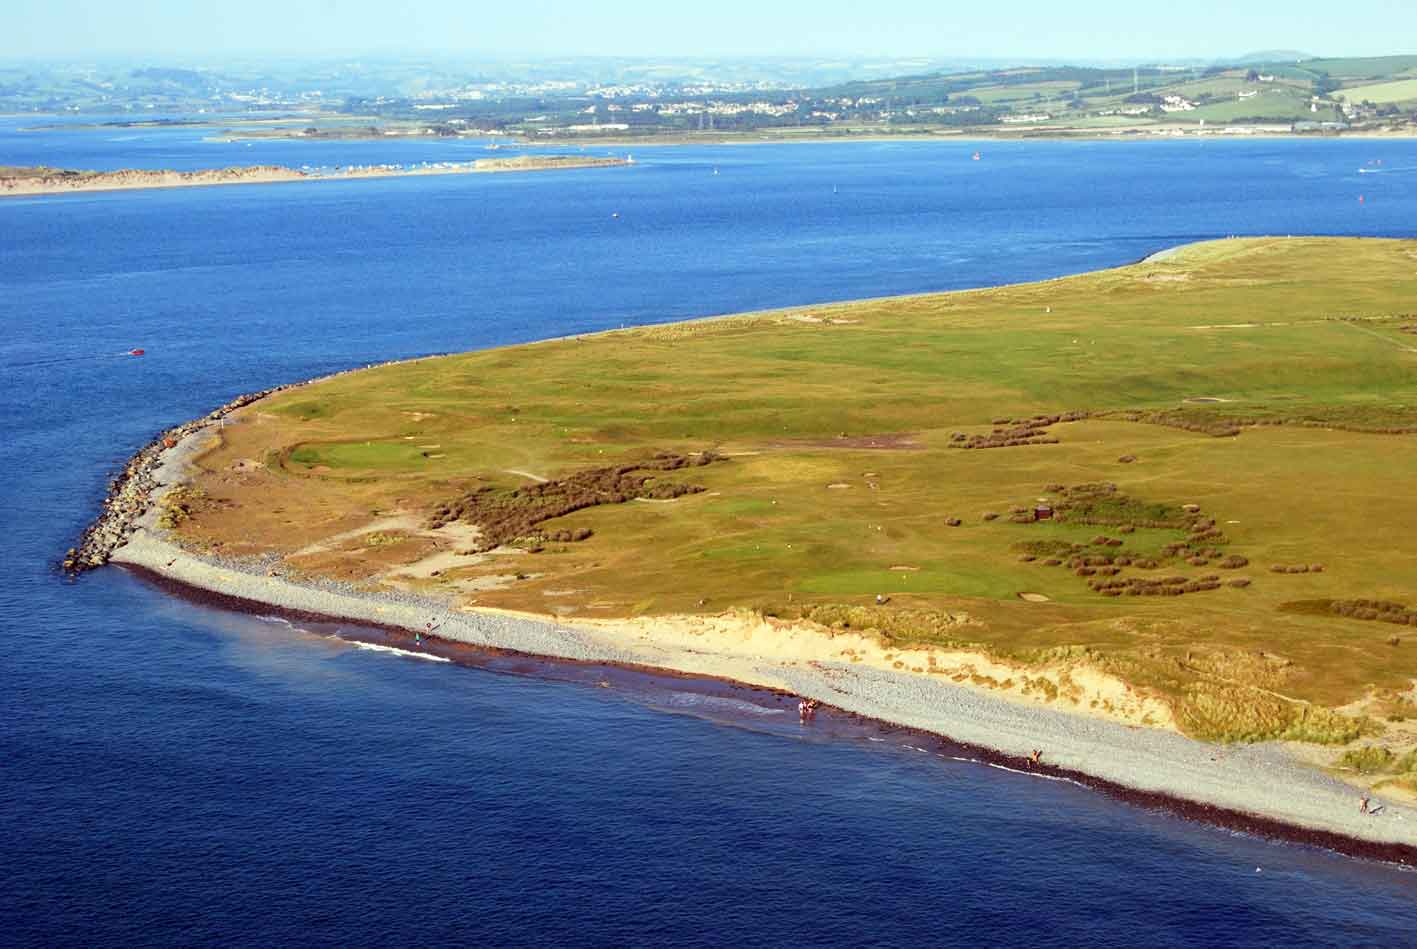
(1230, 326)
(436, 564)
(1034, 597)
(396, 523)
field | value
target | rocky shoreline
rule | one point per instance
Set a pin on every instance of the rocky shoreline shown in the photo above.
(130, 492)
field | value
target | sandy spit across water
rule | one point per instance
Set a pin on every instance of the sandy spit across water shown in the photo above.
(130, 179)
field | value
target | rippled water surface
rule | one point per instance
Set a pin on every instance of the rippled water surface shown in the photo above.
(178, 774)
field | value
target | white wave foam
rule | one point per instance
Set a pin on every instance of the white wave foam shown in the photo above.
(375, 647)
(1035, 774)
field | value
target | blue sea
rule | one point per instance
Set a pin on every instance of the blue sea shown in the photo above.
(176, 774)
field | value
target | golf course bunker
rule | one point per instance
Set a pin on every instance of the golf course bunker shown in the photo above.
(1034, 597)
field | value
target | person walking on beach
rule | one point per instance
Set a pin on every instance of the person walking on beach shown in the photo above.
(1036, 758)
(1363, 804)
(429, 628)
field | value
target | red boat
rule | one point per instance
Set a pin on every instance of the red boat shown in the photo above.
(134, 352)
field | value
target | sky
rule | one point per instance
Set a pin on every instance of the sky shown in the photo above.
(1018, 29)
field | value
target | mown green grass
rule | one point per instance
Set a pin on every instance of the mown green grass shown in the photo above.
(1265, 324)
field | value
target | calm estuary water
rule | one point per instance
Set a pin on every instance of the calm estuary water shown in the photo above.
(175, 774)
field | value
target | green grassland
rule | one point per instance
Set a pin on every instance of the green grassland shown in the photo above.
(1023, 92)
(1232, 83)
(1369, 67)
(840, 475)
(1382, 93)
(1275, 103)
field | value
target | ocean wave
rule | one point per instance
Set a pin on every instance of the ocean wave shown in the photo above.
(1036, 774)
(375, 647)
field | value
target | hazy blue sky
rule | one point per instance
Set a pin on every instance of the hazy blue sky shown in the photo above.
(940, 28)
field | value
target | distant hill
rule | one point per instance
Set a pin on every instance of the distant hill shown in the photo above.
(592, 98)
(1268, 56)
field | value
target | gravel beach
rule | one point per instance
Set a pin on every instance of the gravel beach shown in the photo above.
(1257, 780)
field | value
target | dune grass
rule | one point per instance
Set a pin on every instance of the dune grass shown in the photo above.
(842, 478)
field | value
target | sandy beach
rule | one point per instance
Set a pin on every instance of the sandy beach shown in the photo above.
(1259, 787)
(54, 181)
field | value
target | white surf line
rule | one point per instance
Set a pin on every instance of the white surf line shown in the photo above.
(375, 647)
(527, 474)
(1386, 339)
(1035, 774)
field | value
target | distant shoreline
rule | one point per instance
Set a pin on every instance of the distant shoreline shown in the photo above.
(365, 129)
(973, 135)
(784, 135)
(26, 182)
